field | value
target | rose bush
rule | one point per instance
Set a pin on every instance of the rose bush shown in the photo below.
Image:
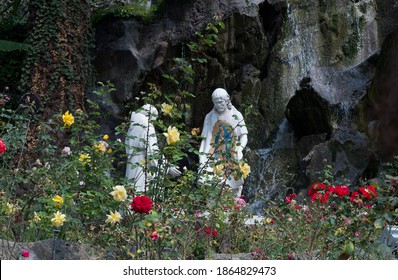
(71, 185)
(331, 222)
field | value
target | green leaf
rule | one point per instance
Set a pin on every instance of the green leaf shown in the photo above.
(379, 224)
(13, 46)
(388, 217)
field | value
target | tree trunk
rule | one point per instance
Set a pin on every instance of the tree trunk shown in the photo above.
(58, 61)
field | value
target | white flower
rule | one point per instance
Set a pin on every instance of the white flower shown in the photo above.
(113, 217)
(58, 219)
(67, 151)
(119, 193)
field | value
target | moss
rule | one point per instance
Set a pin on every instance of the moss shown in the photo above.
(125, 12)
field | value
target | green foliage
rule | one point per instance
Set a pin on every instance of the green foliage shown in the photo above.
(333, 225)
(12, 53)
(13, 10)
(76, 172)
(11, 71)
(136, 10)
(392, 167)
(66, 54)
(188, 220)
(12, 46)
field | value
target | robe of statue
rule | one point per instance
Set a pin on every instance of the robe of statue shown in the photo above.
(141, 143)
(221, 135)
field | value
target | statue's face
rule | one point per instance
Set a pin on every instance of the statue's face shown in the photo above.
(220, 105)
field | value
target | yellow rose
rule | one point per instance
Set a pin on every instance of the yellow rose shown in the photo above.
(195, 131)
(58, 201)
(219, 169)
(245, 169)
(101, 147)
(58, 219)
(113, 217)
(268, 220)
(36, 217)
(167, 109)
(11, 208)
(172, 135)
(68, 119)
(84, 158)
(119, 193)
(106, 137)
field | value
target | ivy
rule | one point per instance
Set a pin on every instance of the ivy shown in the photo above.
(57, 63)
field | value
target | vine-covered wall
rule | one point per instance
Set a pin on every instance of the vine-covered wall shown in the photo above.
(57, 63)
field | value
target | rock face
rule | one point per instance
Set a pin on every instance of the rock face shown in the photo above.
(297, 70)
(49, 249)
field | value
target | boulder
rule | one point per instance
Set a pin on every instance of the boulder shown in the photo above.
(49, 249)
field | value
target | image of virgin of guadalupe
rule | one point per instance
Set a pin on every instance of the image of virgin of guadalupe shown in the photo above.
(223, 140)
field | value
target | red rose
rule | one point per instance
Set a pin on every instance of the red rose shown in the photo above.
(322, 197)
(289, 198)
(154, 235)
(341, 191)
(354, 196)
(141, 204)
(315, 188)
(25, 253)
(208, 231)
(3, 146)
(369, 192)
(214, 233)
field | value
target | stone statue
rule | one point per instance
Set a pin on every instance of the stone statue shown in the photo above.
(224, 138)
(141, 144)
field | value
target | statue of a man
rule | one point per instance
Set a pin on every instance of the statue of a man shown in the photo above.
(141, 146)
(224, 137)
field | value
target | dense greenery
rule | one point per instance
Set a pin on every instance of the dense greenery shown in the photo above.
(30, 31)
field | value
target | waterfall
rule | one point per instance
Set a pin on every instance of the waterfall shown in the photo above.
(344, 114)
(284, 136)
(265, 173)
(299, 46)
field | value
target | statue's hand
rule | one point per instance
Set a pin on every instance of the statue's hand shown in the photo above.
(173, 171)
(203, 159)
(239, 153)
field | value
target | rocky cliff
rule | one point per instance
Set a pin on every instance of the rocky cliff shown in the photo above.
(318, 75)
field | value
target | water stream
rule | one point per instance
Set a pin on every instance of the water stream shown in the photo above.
(266, 173)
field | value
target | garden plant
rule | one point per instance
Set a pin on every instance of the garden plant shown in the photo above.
(68, 182)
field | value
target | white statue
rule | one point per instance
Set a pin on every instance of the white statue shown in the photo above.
(224, 137)
(141, 144)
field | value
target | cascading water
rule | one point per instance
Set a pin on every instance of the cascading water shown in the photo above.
(298, 56)
(266, 172)
(298, 46)
(344, 114)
